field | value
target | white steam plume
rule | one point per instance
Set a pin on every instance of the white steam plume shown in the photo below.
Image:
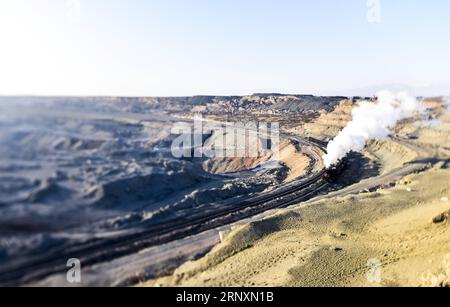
(371, 121)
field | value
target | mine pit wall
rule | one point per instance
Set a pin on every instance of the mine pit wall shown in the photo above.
(297, 162)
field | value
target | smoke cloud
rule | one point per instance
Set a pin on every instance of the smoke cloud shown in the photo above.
(371, 121)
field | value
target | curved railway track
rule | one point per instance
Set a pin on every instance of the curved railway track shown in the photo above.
(101, 250)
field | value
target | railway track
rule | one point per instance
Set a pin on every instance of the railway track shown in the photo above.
(97, 251)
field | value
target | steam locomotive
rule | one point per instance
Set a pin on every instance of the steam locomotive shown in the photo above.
(332, 173)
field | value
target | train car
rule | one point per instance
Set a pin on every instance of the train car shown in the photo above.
(332, 173)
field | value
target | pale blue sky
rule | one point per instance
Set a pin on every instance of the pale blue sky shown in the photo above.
(223, 47)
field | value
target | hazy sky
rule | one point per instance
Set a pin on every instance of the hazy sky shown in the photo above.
(188, 47)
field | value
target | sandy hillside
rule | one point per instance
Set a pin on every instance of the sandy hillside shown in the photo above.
(389, 230)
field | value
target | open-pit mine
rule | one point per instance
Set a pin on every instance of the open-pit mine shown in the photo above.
(101, 180)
